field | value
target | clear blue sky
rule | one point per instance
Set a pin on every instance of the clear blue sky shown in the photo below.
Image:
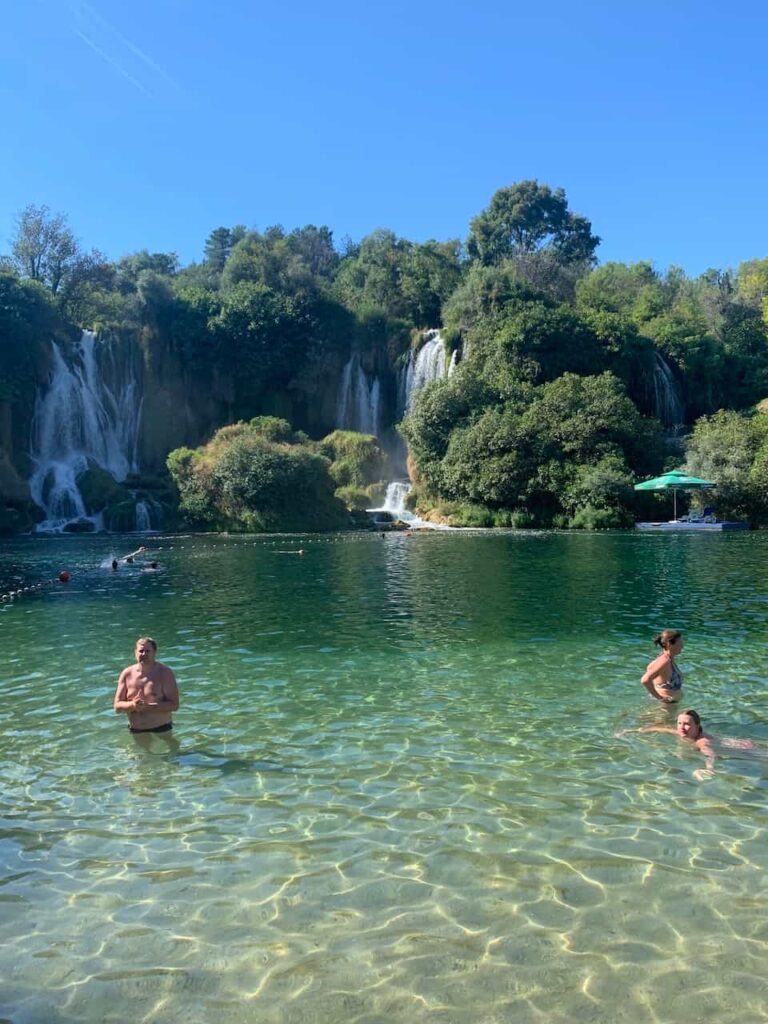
(151, 122)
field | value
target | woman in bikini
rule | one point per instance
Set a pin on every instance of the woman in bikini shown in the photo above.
(663, 679)
(690, 727)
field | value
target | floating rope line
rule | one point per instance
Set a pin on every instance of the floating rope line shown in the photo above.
(64, 576)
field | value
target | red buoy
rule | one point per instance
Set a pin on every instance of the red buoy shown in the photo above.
(63, 576)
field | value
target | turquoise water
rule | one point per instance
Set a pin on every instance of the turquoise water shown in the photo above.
(397, 794)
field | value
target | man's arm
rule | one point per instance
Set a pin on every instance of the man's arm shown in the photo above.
(121, 704)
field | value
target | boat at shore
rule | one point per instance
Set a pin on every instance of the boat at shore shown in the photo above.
(699, 526)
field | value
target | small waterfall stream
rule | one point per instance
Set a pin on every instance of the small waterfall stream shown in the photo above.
(88, 416)
(394, 503)
(667, 404)
(359, 399)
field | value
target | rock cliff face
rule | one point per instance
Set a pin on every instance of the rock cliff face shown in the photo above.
(94, 431)
(18, 512)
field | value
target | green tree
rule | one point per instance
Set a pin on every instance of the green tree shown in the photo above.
(219, 245)
(542, 342)
(130, 268)
(731, 449)
(260, 336)
(28, 320)
(43, 247)
(620, 288)
(527, 218)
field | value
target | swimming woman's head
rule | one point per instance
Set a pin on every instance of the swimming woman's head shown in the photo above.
(689, 725)
(670, 640)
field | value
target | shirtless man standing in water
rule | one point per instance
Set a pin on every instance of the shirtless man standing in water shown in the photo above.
(147, 691)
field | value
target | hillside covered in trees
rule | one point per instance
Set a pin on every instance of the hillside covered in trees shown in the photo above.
(562, 382)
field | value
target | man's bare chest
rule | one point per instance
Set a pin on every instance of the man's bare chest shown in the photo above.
(147, 686)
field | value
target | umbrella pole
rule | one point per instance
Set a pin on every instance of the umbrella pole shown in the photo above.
(674, 502)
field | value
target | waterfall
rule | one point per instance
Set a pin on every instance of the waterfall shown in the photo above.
(394, 499)
(357, 406)
(394, 503)
(149, 515)
(668, 406)
(428, 365)
(89, 415)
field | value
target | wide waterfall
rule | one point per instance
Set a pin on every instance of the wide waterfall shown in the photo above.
(359, 399)
(88, 416)
(668, 406)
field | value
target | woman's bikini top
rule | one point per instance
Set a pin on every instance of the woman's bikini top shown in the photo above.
(675, 680)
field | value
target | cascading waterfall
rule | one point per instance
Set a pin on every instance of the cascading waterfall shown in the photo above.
(394, 503)
(89, 415)
(428, 365)
(149, 515)
(359, 399)
(668, 406)
(394, 499)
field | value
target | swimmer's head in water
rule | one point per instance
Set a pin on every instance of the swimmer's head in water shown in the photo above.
(689, 724)
(670, 640)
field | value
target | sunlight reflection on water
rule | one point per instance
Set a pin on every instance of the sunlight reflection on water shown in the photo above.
(397, 795)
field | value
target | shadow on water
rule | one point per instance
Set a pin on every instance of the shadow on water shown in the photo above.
(227, 765)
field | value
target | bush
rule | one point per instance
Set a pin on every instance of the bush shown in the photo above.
(241, 480)
(590, 518)
(357, 460)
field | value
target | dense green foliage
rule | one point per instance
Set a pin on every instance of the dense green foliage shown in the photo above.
(732, 449)
(247, 479)
(28, 318)
(263, 475)
(549, 418)
(359, 467)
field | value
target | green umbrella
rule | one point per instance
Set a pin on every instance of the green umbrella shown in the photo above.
(675, 481)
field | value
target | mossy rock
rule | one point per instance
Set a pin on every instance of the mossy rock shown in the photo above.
(13, 488)
(121, 517)
(100, 489)
(15, 519)
(355, 498)
(79, 526)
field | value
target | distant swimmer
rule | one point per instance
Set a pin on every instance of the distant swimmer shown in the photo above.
(128, 559)
(689, 727)
(114, 565)
(147, 691)
(663, 679)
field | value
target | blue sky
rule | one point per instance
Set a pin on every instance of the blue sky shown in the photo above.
(149, 123)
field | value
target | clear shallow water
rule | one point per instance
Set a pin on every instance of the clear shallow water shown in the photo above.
(397, 795)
